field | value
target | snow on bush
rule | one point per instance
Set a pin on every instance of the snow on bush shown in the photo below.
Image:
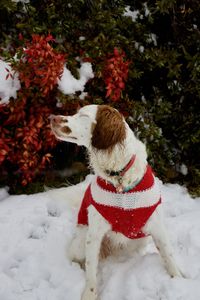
(69, 85)
(9, 82)
(129, 13)
(23, 1)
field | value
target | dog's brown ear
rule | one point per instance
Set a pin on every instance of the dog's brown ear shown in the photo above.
(109, 129)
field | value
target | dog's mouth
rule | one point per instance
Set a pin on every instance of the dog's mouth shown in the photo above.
(72, 137)
(60, 135)
(58, 132)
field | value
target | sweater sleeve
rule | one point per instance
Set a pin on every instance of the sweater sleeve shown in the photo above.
(83, 212)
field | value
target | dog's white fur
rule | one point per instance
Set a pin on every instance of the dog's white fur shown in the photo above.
(87, 241)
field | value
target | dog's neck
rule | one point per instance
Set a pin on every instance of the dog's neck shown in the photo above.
(118, 158)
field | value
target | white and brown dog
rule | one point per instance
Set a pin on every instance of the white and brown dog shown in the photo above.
(121, 206)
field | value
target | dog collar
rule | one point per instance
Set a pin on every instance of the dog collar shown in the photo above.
(121, 173)
(124, 170)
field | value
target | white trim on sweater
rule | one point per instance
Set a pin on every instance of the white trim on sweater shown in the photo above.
(131, 200)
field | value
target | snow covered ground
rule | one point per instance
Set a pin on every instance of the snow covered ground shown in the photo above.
(35, 231)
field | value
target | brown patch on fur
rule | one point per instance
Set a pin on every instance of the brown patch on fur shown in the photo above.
(106, 248)
(109, 130)
(66, 130)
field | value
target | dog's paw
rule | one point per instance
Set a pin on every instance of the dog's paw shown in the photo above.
(175, 272)
(89, 293)
(180, 274)
(80, 262)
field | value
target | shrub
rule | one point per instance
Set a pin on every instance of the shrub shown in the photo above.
(40, 66)
(25, 134)
(115, 74)
(159, 42)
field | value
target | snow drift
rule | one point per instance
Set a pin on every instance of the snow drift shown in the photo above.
(36, 229)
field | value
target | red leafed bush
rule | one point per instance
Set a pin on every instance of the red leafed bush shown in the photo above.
(25, 134)
(45, 64)
(115, 74)
(4, 148)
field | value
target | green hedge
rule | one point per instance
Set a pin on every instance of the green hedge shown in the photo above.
(162, 44)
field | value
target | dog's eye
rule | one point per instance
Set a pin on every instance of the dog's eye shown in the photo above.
(84, 116)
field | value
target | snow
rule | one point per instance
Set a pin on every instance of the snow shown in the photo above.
(81, 38)
(83, 95)
(69, 85)
(152, 39)
(139, 47)
(183, 169)
(35, 231)
(135, 14)
(9, 86)
(129, 13)
(147, 11)
(23, 1)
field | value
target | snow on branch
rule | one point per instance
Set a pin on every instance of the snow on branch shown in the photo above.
(69, 85)
(9, 82)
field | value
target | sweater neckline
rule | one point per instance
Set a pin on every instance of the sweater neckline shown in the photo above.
(145, 183)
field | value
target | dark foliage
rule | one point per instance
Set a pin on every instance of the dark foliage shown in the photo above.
(162, 45)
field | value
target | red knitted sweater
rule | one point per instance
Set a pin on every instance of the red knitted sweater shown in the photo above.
(127, 212)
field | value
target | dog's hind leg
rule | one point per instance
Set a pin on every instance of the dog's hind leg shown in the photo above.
(155, 227)
(97, 229)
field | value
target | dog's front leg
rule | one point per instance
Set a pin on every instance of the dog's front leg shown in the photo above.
(97, 229)
(156, 228)
(76, 251)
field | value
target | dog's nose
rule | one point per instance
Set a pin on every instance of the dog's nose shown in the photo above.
(55, 119)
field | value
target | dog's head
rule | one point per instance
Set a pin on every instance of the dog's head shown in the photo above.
(98, 126)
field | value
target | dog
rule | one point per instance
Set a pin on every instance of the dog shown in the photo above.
(121, 207)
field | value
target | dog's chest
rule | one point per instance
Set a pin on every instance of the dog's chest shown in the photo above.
(126, 200)
(126, 212)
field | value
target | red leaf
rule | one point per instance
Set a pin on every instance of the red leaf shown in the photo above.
(20, 37)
